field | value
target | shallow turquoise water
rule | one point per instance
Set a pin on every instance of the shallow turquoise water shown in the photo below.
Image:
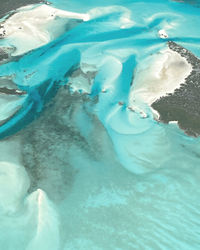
(93, 174)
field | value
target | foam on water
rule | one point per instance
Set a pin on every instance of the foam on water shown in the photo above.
(83, 162)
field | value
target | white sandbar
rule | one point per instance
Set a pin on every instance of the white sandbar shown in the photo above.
(34, 26)
(158, 76)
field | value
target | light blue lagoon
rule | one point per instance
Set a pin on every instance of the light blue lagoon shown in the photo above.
(85, 163)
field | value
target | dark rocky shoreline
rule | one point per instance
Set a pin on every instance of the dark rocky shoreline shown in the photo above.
(183, 105)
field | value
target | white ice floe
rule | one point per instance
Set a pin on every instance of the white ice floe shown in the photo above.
(34, 26)
(158, 76)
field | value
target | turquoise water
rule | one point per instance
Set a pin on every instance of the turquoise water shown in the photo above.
(78, 168)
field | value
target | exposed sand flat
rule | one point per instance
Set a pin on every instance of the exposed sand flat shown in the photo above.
(33, 26)
(160, 75)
